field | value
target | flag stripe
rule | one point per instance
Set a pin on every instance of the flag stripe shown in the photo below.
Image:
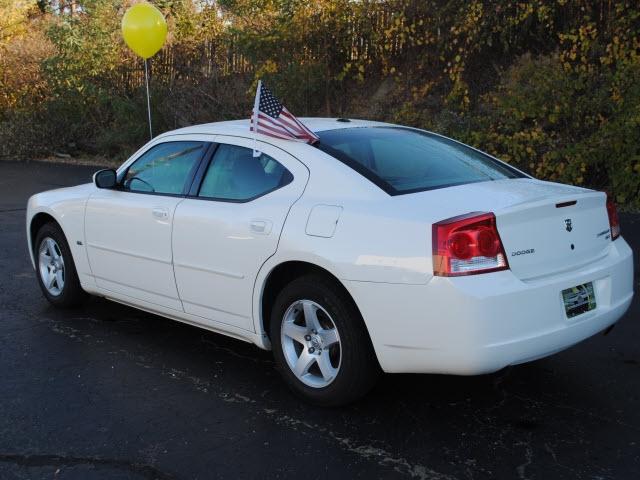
(298, 123)
(274, 132)
(276, 123)
(287, 124)
(267, 122)
(283, 128)
(267, 130)
(295, 124)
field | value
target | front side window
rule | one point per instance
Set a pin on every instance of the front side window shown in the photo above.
(235, 174)
(402, 160)
(164, 168)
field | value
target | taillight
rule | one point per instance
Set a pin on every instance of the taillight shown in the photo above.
(467, 245)
(614, 223)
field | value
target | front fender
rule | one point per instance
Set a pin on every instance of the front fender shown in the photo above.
(67, 207)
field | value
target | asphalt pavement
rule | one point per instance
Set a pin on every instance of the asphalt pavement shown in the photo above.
(109, 392)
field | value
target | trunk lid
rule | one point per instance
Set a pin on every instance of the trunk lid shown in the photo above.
(536, 230)
(554, 234)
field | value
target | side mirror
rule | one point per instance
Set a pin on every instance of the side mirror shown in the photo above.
(106, 178)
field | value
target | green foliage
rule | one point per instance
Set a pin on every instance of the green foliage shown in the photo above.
(566, 126)
(549, 86)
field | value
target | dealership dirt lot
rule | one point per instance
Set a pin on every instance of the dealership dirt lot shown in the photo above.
(106, 391)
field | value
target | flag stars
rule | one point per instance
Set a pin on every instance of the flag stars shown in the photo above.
(269, 104)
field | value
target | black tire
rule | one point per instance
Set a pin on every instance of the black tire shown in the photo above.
(71, 293)
(359, 368)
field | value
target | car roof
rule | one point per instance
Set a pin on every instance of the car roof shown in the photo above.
(241, 127)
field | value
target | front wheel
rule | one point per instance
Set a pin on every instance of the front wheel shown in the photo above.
(320, 343)
(56, 271)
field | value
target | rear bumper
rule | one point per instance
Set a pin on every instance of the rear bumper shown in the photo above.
(482, 323)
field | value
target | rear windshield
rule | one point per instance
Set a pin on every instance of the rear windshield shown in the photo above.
(401, 160)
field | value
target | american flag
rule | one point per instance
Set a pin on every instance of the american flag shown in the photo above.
(275, 120)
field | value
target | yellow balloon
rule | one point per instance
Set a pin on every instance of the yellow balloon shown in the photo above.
(144, 29)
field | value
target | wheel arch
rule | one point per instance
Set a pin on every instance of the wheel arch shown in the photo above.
(35, 223)
(278, 277)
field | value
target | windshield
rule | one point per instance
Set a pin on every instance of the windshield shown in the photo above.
(402, 160)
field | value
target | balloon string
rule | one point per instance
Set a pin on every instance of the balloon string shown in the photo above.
(146, 81)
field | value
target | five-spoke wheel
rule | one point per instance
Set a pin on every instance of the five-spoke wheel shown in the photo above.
(51, 266)
(311, 343)
(320, 342)
(56, 271)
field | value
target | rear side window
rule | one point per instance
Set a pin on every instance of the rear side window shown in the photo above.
(165, 168)
(401, 160)
(236, 175)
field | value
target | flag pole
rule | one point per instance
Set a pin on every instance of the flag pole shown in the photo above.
(254, 120)
(146, 81)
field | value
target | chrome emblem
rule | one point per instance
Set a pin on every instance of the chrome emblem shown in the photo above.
(523, 252)
(567, 224)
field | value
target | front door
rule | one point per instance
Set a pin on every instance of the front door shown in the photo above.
(128, 229)
(225, 232)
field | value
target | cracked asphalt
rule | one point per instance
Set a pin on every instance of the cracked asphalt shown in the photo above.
(108, 392)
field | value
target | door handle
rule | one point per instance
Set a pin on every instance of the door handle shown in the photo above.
(160, 213)
(261, 226)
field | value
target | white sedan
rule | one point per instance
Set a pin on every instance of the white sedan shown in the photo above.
(378, 248)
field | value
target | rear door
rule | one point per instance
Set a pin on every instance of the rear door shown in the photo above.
(230, 225)
(128, 229)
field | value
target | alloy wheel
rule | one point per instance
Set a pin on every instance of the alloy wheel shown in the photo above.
(51, 266)
(311, 343)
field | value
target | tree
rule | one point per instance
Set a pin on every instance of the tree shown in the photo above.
(14, 18)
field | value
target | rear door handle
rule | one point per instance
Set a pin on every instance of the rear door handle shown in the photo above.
(261, 226)
(160, 213)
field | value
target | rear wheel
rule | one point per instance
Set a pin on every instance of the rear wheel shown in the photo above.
(56, 271)
(320, 343)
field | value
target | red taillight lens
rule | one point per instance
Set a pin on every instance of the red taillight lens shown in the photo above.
(459, 244)
(614, 223)
(467, 245)
(488, 242)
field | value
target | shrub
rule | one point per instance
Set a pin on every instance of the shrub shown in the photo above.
(566, 126)
(549, 86)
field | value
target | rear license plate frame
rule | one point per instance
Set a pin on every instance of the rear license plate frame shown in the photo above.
(579, 300)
